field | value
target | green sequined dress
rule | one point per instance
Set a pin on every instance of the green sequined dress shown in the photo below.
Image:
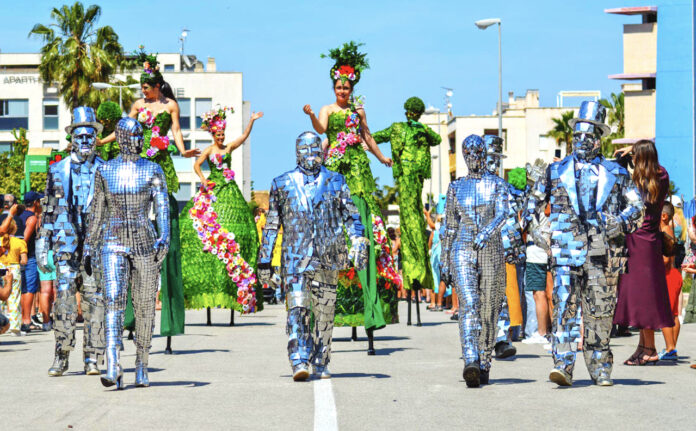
(206, 282)
(410, 145)
(362, 297)
(171, 289)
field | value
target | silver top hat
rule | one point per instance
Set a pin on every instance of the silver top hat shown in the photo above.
(83, 116)
(494, 146)
(590, 118)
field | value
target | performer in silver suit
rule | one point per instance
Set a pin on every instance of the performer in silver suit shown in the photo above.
(126, 247)
(512, 244)
(312, 205)
(594, 204)
(472, 253)
(67, 203)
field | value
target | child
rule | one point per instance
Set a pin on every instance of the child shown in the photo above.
(674, 286)
(13, 253)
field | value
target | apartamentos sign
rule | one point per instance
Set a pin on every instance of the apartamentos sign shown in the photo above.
(21, 80)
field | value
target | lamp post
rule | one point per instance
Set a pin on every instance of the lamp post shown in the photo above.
(484, 24)
(105, 86)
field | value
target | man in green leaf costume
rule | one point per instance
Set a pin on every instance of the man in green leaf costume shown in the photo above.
(410, 147)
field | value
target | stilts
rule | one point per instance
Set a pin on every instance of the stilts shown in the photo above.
(231, 316)
(168, 349)
(208, 323)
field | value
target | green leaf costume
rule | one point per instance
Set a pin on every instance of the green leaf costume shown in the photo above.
(410, 145)
(378, 297)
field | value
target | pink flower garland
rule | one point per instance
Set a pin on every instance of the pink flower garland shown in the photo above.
(385, 264)
(343, 139)
(220, 242)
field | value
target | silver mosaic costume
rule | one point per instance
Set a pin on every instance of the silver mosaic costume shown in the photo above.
(67, 204)
(472, 253)
(594, 204)
(313, 206)
(126, 247)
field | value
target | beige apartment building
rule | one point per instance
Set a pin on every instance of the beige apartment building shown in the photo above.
(26, 101)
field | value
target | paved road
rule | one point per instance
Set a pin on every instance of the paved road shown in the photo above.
(238, 377)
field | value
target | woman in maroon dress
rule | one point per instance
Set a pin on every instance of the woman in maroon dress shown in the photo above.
(643, 299)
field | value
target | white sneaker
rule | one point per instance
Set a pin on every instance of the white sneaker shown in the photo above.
(535, 339)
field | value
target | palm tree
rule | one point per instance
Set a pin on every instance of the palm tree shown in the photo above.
(562, 132)
(76, 53)
(615, 118)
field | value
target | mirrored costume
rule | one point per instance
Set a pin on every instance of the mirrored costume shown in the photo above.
(125, 246)
(312, 205)
(511, 239)
(472, 257)
(593, 204)
(67, 204)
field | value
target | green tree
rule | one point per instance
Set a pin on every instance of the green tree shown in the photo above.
(384, 196)
(12, 165)
(76, 53)
(615, 119)
(562, 132)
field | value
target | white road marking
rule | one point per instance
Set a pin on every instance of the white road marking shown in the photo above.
(324, 406)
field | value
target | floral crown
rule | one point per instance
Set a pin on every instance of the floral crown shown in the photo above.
(349, 62)
(151, 73)
(215, 120)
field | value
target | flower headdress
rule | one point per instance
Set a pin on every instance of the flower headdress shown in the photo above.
(151, 73)
(215, 120)
(349, 62)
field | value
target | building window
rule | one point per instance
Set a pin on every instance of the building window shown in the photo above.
(51, 144)
(202, 145)
(179, 92)
(50, 114)
(184, 113)
(649, 84)
(546, 143)
(169, 68)
(494, 132)
(14, 114)
(184, 193)
(203, 105)
(452, 144)
(5, 146)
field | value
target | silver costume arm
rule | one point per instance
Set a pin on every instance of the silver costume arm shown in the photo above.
(160, 197)
(501, 211)
(44, 239)
(451, 223)
(630, 218)
(270, 234)
(538, 197)
(355, 228)
(97, 216)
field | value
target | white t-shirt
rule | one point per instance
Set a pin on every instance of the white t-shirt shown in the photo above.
(536, 254)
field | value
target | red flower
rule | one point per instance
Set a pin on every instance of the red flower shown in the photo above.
(58, 158)
(160, 142)
(345, 70)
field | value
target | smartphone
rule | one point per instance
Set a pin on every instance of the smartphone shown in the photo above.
(3, 271)
(557, 153)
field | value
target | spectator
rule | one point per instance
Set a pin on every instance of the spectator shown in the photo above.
(536, 280)
(5, 291)
(674, 287)
(13, 253)
(643, 300)
(30, 271)
(679, 230)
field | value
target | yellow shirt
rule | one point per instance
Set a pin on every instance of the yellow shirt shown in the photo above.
(11, 256)
(260, 223)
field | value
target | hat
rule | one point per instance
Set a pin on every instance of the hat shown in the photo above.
(83, 116)
(676, 201)
(494, 146)
(591, 113)
(32, 196)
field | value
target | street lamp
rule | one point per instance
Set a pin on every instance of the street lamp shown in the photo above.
(484, 24)
(105, 86)
(433, 110)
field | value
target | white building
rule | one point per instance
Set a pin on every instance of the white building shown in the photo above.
(25, 101)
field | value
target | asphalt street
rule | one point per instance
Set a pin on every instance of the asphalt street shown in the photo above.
(223, 377)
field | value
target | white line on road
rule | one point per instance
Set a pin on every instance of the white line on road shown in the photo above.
(324, 406)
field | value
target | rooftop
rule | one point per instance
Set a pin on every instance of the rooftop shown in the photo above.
(639, 10)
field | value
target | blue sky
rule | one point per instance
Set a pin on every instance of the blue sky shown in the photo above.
(414, 48)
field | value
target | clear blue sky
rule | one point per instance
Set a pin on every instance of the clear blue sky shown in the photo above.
(414, 48)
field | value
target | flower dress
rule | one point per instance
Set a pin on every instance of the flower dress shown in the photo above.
(207, 283)
(366, 297)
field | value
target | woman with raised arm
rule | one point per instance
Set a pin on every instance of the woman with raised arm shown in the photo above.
(345, 125)
(158, 113)
(218, 269)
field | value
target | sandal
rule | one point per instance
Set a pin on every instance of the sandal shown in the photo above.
(633, 359)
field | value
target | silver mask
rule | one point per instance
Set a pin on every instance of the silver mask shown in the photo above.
(308, 152)
(129, 134)
(474, 152)
(83, 140)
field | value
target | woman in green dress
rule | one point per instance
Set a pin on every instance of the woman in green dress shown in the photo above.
(207, 271)
(158, 112)
(345, 125)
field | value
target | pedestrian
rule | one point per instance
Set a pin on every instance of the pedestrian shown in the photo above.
(30, 271)
(674, 285)
(643, 298)
(13, 253)
(535, 276)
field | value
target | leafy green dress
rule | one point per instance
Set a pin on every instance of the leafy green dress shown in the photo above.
(171, 289)
(366, 299)
(410, 145)
(206, 282)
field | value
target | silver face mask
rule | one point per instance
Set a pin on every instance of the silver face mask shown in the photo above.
(83, 141)
(308, 152)
(129, 134)
(474, 152)
(586, 145)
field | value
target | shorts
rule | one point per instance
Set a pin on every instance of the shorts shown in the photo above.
(535, 277)
(51, 275)
(674, 287)
(4, 321)
(30, 276)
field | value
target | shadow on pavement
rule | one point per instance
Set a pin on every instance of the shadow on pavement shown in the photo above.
(192, 352)
(363, 338)
(386, 351)
(12, 350)
(149, 370)
(448, 322)
(626, 382)
(235, 324)
(190, 383)
(519, 356)
(360, 375)
(510, 381)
